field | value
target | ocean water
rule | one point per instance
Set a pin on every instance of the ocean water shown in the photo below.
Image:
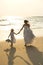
(36, 25)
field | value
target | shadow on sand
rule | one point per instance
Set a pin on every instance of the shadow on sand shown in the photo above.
(23, 59)
(35, 55)
(10, 54)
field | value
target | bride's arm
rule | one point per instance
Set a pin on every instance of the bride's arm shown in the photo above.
(20, 29)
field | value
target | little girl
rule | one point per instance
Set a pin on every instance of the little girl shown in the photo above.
(28, 34)
(11, 35)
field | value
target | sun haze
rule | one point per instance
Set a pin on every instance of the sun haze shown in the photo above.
(21, 7)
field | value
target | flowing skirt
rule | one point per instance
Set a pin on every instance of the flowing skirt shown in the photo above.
(28, 36)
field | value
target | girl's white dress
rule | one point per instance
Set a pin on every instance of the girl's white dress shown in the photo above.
(28, 34)
(13, 40)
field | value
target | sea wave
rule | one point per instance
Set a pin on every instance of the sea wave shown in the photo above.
(36, 22)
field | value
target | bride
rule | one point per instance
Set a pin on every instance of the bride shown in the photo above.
(28, 34)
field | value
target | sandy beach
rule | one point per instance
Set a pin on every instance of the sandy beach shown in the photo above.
(21, 20)
(20, 54)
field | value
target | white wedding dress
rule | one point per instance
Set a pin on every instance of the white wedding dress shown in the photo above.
(28, 34)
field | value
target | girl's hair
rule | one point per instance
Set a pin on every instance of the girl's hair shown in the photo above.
(12, 30)
(25, 21)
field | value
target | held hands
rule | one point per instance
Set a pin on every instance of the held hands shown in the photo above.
(18, 32)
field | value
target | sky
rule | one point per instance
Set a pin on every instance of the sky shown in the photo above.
(22, 8)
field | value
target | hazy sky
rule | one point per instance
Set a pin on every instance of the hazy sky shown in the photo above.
(21, 7)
